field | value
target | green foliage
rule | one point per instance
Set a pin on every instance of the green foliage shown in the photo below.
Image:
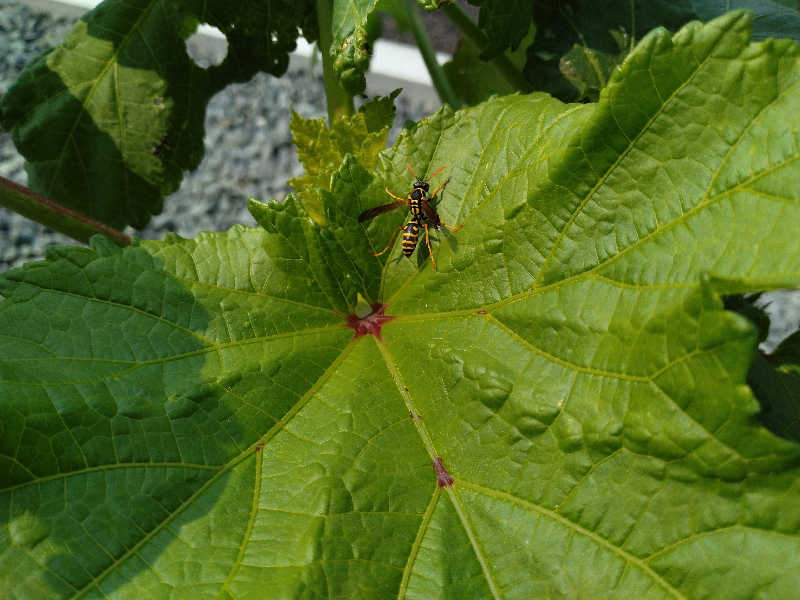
(747, 306)
(474, 80)
(589, 70)
(351, 42)
(336, 256)
(579, 29)
(430, 5)
(505, 23)
(321, 150)
(194, 418)
(109, 120)
(775, 380)
(355, 30)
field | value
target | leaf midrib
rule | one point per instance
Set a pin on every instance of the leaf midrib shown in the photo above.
(462, 512)
(38, 480)
(137, 364)
(427, 442)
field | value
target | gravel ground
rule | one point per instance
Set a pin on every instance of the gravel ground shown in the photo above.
(249, 152)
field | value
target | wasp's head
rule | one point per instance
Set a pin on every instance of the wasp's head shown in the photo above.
(421, 185)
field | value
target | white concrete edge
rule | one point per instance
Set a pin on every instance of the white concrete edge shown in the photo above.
(393, 64)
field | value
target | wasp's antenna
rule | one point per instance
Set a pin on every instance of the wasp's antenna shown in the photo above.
(410, 168)
(434, 174)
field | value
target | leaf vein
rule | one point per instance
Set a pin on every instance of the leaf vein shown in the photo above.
(643, 129)
(579, 529)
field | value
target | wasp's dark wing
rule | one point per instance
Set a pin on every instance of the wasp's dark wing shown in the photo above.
(431, 214)
(371, 213)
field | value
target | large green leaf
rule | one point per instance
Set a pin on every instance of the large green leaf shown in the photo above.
(559, 411)
(109, 120)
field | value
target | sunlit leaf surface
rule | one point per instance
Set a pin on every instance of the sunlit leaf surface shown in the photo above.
(560, 410)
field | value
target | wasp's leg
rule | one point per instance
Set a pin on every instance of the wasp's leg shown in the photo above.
(389, 245)
(450, 227)
(439, 187)
(428, 243)
(393, 196)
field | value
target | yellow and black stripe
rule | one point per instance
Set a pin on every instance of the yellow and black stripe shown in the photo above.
(410, 237)
(415, 200)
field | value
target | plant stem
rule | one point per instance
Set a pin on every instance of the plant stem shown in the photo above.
(470, 31)
(59, 218)
(438, 76)
(339, 102)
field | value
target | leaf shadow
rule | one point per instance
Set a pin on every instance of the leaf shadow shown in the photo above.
(134, 434)
(86, 170)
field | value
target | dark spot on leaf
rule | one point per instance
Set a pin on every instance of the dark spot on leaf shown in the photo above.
(259, 446)
(443, 478)
(371, 323)
(482, 312)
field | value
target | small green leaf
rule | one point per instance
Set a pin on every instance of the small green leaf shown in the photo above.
(589, 70)
(351, 42)
(111, 119)
(336, 256)
(746, 305)
(505, 23)
(559, 411)
(379, 112)
(321, 150)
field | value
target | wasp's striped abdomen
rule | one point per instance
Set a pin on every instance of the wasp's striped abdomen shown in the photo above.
(410, 237)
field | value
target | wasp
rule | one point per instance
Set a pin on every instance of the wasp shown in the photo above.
(422, 213)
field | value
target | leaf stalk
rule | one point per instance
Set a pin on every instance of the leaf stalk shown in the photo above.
(51, 214)
(339, 102)
(438, 76)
